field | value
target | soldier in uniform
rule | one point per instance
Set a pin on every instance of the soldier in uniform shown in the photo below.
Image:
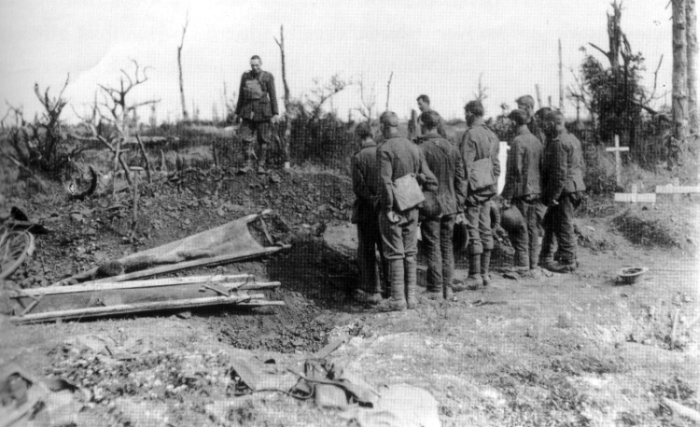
(257, 110)
(366, 215)
(479, 148)
(523, 190)
(562, 192)
(396, 158)
(527, 104)
(424, 106)
(445, 162)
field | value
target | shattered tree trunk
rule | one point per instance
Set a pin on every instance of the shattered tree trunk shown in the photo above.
(680, 82)
(692, 53)
(185, 116)
(287, 102)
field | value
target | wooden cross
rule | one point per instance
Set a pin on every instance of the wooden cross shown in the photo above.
(635, 197)
(618, 159)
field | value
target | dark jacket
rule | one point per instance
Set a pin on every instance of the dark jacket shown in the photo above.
(258, 110)
(445, 163)
(536, 130)
(523, 175)
(479, 142)
(562, 170)
(397, 157)
(364, 173)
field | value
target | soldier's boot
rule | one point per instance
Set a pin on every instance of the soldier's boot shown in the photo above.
(247, 166)
(485, 264)
(397, 300)
(474, 280)
(411, 274)
(534, 256)
(520, 261)
(448, 293)
(546, 252)
(374, 293)
(262, 159)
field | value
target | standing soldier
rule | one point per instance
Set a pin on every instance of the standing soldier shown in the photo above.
(444, 161)
(563, 188)
(366, 216)
(479, 149)
(523, 190)
(396, 158)
(527, 104)
(424, 106)
(257, 109)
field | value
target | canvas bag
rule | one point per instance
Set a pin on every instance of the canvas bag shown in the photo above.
(482, 175)
(407, 193)
(253, 88)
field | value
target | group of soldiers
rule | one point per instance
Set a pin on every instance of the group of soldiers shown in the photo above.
(459, 182)
(456, 183)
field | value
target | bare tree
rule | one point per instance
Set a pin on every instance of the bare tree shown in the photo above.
(692, 36)
(119, 109)
(680, 82)
(367, 101)
(388, 91)
(323, 92)
(185, 116)
(280, 43)
(561, 81)
(481, 90)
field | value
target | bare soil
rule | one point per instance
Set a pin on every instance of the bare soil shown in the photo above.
(532, 350)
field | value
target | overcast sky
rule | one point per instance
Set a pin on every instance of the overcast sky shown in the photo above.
(438, 48)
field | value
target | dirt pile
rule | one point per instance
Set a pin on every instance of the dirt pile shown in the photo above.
(666, 225)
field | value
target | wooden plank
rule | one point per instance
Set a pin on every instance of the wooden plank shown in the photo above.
(104, 286)
(635, 197)
(135, 308)
(64, 300)
(239, 256)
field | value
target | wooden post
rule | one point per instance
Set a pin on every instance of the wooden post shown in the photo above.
(618, 159)
(388, 90)
(136, 170)
(561, 81)
(539, 97)
(676, 196)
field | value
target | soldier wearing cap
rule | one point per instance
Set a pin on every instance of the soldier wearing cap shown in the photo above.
(479, 148)
(396, 158)
(522, 189)
(445, 162)
(256, 109)
(366, 215)
(424, 106)
(562, 192)
(527, 104)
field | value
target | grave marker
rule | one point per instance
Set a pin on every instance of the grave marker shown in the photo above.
(618, 159)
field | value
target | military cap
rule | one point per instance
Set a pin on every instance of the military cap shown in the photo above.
(518, 116)
(430, 119)
(389, 118)
(363, 130)
(526, 100)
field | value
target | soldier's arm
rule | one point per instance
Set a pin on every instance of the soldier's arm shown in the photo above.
(512, 171)
(460, 181)
(273, 95)
(429, 180)
(359, 183)
(239, 104)
(557, 169)
(495, 148)
(385, 186)
(467, 150)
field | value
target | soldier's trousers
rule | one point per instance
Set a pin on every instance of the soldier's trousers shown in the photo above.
(559, 225)
(249, 132)
(399, 240)
(479, 228)
(369, 240)
(437, 235)
(527, 242)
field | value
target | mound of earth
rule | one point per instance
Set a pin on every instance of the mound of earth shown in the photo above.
(666, 225)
